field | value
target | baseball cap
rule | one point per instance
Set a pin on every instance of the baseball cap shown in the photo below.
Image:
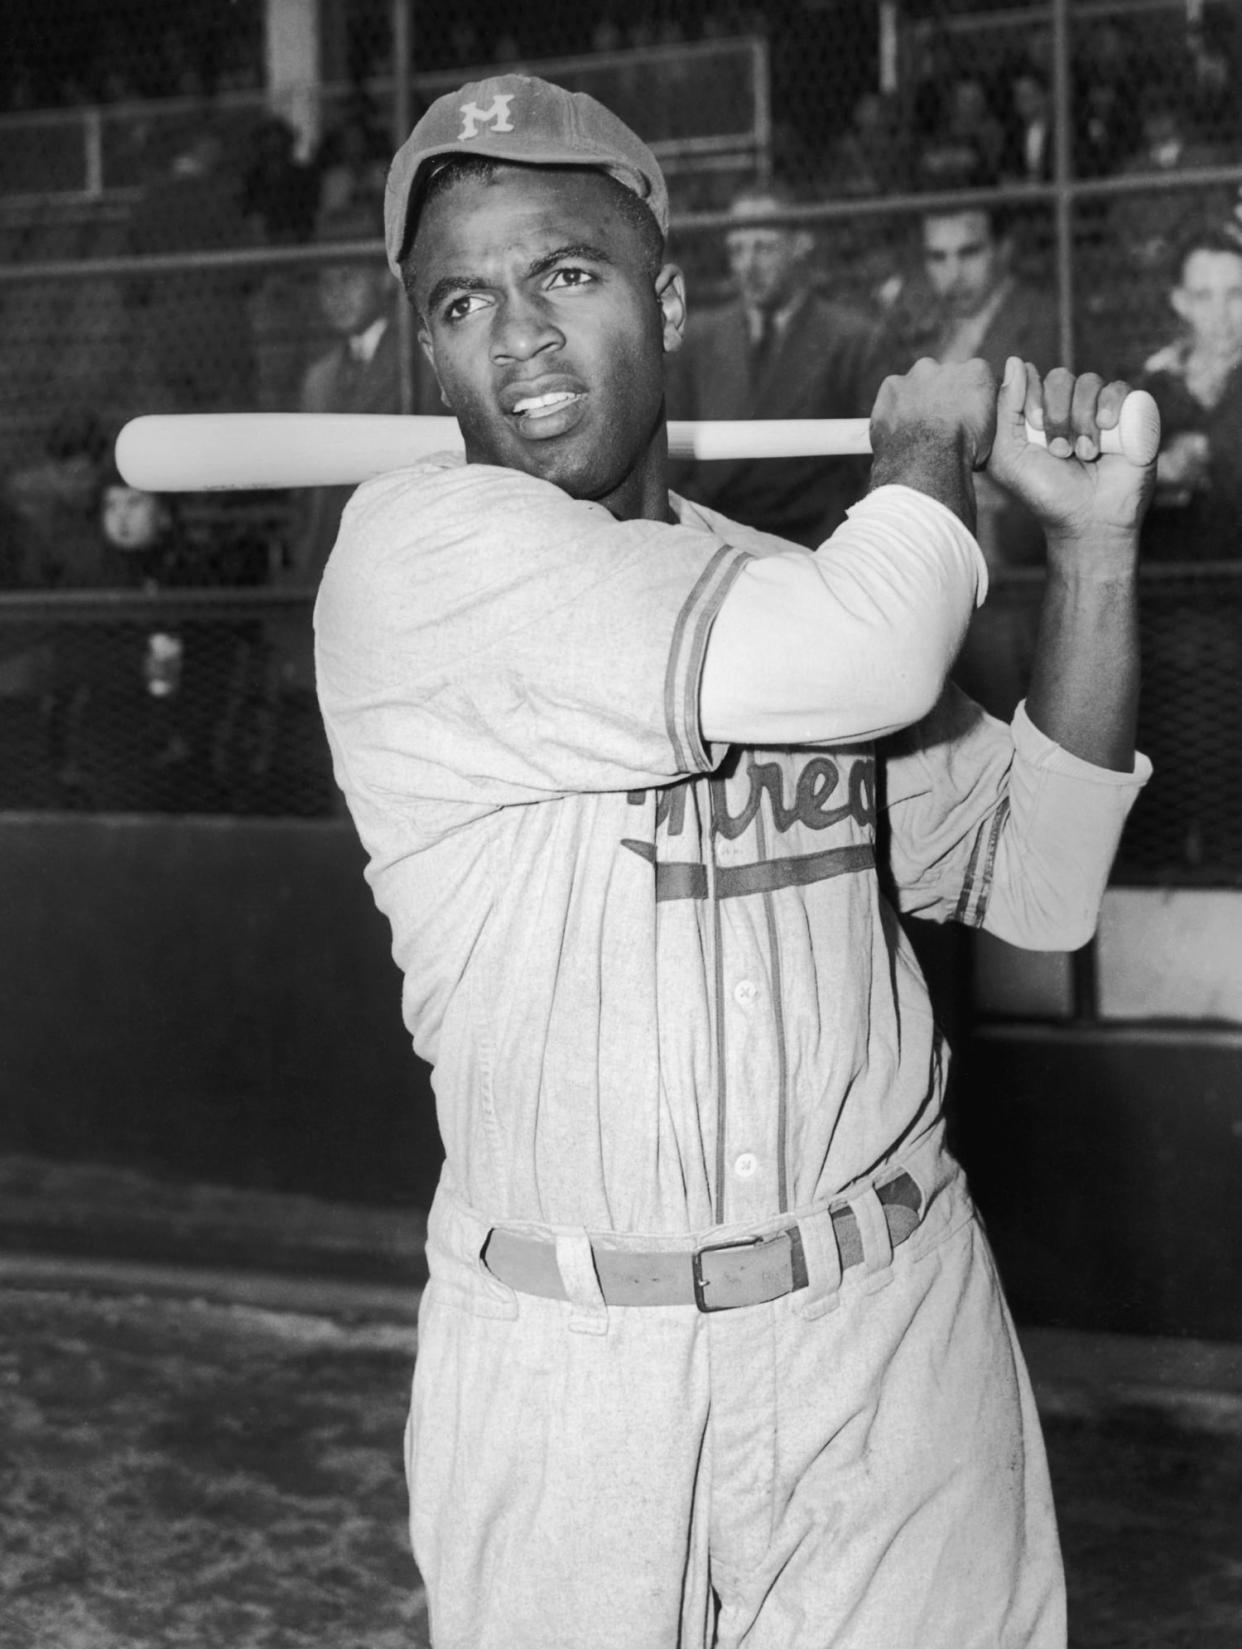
(530, 122)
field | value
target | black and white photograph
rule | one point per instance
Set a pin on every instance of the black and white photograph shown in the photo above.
(621, 824)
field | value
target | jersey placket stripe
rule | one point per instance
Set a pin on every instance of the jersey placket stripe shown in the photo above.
(717, 942)
(778, 1027)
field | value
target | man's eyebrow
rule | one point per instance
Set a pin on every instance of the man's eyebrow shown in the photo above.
(448, 284)
(578, 249)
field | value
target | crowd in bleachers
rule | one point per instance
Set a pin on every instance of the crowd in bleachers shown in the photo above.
(1154, 299)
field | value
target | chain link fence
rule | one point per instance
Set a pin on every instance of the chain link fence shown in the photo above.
(178, 186)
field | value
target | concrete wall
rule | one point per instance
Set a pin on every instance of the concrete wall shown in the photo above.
(211, 996)
(1106, 1161)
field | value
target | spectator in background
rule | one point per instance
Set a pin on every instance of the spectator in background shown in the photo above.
(1109, 88)
(779, 350)
(279, 195)
(158, 715)
(1196, 379)
(1028, 155)
(49, 513)
(351, 161)
(359, 371)
(52, 506)
(1193, 638)
(95, 667)
(968, 141)
(872, 156)
(190, 329)
(1105, 129)
(278, 192)
(932, 69)
(1212, 49)
(1146, 227)
(971, 302)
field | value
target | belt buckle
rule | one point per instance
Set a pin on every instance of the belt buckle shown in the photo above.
(696, 1268)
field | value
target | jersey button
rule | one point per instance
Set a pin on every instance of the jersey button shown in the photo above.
(746, 1166)
(745, 992)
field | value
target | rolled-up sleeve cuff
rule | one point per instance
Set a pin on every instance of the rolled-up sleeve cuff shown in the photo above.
(1046, 755)
(1052, 852)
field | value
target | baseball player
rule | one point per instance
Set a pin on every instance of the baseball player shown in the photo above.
(713, 1349)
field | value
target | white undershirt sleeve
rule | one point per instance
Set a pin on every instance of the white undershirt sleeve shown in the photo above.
(850, 642)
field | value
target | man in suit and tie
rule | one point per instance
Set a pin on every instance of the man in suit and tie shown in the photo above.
(978, 305)
(779, 349)
(358, 371)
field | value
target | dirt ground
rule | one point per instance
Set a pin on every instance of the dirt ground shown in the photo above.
(182, 1474)
(176, 1474)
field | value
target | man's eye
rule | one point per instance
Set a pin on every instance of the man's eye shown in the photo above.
(571, 277)
(458, 308)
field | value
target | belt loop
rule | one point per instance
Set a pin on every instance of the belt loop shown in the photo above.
(577, 1268)
(823, 1265)
(877, 1239)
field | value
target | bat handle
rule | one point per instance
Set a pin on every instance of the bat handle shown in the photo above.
(1136, 434)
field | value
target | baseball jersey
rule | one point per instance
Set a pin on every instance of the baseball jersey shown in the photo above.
(662, 984)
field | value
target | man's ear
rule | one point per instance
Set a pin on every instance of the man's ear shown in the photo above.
(428, 349)
(670, 290)
(1179, 305)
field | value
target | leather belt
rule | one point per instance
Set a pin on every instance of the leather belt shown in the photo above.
(717, 1277)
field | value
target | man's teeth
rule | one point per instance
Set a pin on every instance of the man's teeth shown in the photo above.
(540, 403)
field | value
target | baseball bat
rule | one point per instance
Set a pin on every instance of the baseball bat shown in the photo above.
(235, 451)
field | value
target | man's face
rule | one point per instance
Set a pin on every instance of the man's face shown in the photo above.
(352, 295)
(1209, 301)
(965, 263)
(1029, 98)
(766, 261)
(132, 520)
(547, 331)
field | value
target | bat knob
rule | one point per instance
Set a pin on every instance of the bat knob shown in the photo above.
(1138, 428)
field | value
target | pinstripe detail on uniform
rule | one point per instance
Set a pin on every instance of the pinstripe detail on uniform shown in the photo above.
(973, 904)
(685, 655)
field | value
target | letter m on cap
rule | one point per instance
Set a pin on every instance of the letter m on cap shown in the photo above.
(496, 115)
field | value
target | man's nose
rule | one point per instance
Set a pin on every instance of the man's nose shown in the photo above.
(524, 327)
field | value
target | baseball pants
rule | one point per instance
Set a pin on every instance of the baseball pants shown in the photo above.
(857, 1465)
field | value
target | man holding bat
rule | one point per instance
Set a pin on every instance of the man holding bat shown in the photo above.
(713, 1350)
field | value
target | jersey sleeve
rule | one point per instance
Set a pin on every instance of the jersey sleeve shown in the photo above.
(484, 640)
(998, 827)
